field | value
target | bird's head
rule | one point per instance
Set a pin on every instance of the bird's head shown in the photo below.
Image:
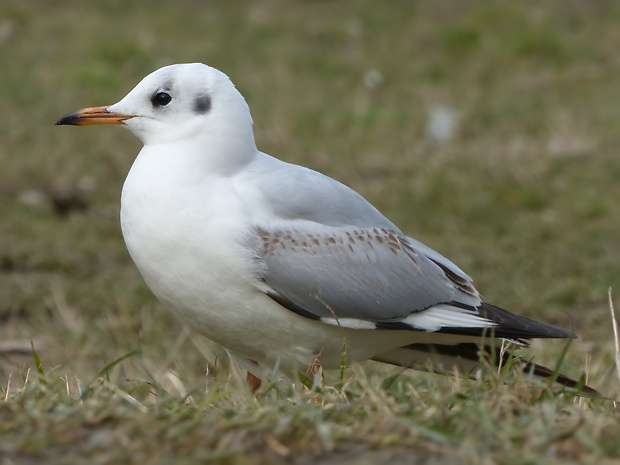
(176, 103)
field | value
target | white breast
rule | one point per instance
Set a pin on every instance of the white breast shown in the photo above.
(185, 229)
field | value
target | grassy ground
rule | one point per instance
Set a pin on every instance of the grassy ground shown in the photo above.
(523, 196)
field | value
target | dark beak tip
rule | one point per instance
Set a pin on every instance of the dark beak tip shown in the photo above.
(65, 120)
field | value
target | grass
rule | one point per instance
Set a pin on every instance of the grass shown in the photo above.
(412, 417)
(523, 197)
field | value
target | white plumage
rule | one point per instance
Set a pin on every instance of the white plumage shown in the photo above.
(278, 263)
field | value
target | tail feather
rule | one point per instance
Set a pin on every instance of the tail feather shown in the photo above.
(465, 356)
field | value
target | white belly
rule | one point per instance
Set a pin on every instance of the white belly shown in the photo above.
(186, 235)
(185, 238)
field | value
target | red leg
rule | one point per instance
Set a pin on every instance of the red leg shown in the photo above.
(253, 382)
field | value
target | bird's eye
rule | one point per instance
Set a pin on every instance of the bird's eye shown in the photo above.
(161, 99)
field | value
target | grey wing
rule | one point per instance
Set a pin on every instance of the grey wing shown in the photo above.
(367, 274)
(327, 254)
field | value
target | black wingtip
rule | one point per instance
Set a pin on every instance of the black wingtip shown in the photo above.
(544, 372)
(477, 353)
(508, 325)
(521, 326)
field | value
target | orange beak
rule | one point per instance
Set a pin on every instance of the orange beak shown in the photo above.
(94, 115)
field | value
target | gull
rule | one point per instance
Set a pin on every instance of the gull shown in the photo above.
(284, 267)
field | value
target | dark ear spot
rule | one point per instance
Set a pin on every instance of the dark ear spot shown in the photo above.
(202, 104)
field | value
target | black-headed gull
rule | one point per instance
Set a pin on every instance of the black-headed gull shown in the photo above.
(282, 265)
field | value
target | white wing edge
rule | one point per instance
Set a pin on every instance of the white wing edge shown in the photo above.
(432, 319)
